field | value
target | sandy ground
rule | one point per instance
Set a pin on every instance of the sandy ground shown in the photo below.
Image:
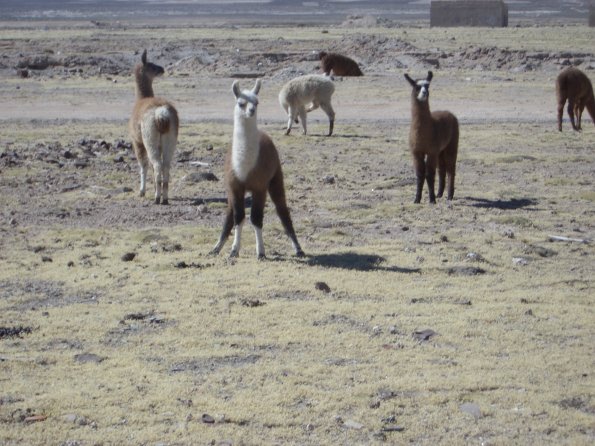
(162, 349)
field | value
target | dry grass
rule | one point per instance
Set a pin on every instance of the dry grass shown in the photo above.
(255, 345)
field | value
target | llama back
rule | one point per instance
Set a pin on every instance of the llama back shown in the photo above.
(304, 89)
(340, 65)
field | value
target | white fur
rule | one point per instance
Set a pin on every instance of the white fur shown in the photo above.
(311, 90)
(424, 92)
(246, 147)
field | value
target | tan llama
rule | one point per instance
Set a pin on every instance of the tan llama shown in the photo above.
(153, 128)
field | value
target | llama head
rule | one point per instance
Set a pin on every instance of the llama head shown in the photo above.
(148, 69)
(246, 100)
(421, 87)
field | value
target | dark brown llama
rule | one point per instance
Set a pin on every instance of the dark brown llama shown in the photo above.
(340, 65)
(574, 85)
(252, 165)
(433, 141)
(153, 128)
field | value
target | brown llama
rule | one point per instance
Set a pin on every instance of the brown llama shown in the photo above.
(573, 85)
(433, 141)
(340, 65)
(252, 165)
(153, 128)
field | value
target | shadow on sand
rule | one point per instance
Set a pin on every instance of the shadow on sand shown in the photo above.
(354, 261)
(512, 204)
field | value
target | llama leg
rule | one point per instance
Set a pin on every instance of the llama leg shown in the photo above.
(302, 112)
(292, 116)
(256, 218)
(431, 163)
(570, 110)
(313, 106)
(227, 227)
(560, 113)
(143, 164)
(169, 147)
(328, 109)
(441, 173)
(578, 110)
(419, 165)
(277, 193)
(239, 213)
(158, 178)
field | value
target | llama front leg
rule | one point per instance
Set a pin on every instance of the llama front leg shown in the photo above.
(578, 111)
(431, 162)
(419, 165)
(256, 218)
(239, 213)
(560, 113)
(441, 174)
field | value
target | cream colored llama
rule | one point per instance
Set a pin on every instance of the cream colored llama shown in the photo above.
(153, 128)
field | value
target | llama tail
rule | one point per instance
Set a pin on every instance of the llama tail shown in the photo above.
(166, 119)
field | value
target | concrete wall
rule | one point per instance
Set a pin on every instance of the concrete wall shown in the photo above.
(493, 13)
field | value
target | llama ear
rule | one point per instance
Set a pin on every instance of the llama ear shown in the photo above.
(143, 58)
(430, 76)
(235, 87)
(411, 81)
(257, 85)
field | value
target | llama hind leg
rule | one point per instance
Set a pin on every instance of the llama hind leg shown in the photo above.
(570, 110)
(169, 147)
(143, 164)
(157, 178)
(328, 109)
(227, 227)
(277, 193)
(302, 113)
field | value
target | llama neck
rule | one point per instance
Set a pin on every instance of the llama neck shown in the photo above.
(420, 112)
(245, 145)
(144, 86)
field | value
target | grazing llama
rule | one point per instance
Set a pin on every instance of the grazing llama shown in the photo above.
(252, 165)
(574, 85)
(433, 140)
(340, 65)
(310, 90)
(153, 128)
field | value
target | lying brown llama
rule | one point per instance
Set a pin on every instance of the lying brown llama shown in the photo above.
(153, 128)
(340, 65)
(574, 85)
(252, 165)
(433, 141)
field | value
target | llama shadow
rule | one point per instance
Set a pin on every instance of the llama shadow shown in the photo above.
(354, 261)
(512, 204)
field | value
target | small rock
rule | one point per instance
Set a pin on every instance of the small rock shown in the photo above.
(88, 357)
(520, 261)
(508, 233)
(328, 179)
(465, 271)
(46, 259)
(393, 428)
(424, 335)
(207, 419)
(472, 409)
(351, 424)
(321, 286)
(128, 257)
